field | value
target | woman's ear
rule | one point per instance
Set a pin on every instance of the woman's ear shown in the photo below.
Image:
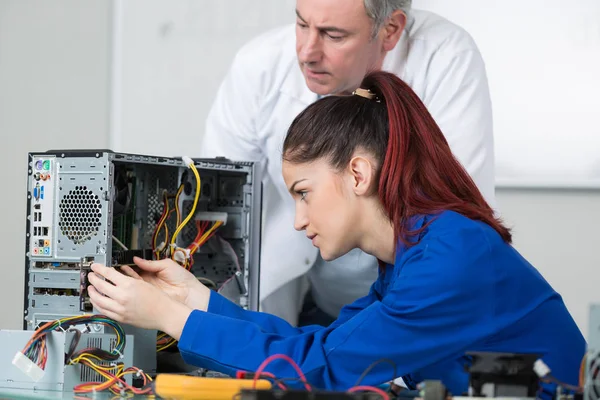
(362, 175)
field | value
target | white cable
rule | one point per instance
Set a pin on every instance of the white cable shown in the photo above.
(232, 254)
(117, 241)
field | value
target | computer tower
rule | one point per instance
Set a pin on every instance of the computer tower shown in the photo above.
(101, 206)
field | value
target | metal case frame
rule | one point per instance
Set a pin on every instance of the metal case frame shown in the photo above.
(73, 197)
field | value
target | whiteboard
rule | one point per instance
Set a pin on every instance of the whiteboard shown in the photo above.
(543, 63)
(542, 59)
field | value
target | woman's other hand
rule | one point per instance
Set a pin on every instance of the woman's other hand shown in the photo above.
(174, 280)
(136, 302)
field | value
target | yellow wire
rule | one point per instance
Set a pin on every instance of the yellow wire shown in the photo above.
(210, 231)
(167, 345)
(100, 370)
(162, 220)
(203, 238)
(109, 368)
(193, 210)
(120, 373)
(118, 370)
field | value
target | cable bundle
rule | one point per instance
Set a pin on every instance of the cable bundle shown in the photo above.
(115, 381)
(36, 349)
(34, 356)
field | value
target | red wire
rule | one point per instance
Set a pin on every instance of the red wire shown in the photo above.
(200, 227)
(369, 389)
(110, 384)
(264, 364)
(160, 220)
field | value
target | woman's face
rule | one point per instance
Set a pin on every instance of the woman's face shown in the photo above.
(326, 207)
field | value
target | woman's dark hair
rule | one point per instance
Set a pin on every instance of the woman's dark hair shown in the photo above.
(417, 172)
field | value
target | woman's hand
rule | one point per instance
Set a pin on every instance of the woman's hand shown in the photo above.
(136, 302)
(174, 280)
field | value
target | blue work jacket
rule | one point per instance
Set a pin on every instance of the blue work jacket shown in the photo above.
(461, 288)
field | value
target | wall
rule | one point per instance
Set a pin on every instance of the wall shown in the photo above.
(171, 59)
(542, 59)
(58, 64)
(54, 93)
(173, 56)
(557, 231)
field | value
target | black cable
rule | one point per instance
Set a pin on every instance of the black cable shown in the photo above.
(370, 367)
(73, 345)
(291, 379)
(100, 353)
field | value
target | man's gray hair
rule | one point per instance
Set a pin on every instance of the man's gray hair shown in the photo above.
(380, 10)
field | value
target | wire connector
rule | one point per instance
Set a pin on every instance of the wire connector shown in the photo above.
(30, 368)
(181, 255)
(119, 353)
(540, 368)
(213, 216)
(187, 161)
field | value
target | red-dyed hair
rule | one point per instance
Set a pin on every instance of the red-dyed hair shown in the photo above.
(418, 173)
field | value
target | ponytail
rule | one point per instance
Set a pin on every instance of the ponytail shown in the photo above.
(418, 174)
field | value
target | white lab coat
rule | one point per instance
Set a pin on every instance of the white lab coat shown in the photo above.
(265, 90)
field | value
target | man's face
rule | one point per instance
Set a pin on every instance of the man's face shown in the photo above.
(334, 44)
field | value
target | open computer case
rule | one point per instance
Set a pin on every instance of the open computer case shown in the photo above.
(100, 206)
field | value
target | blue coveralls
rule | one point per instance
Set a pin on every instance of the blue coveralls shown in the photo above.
(460, 289)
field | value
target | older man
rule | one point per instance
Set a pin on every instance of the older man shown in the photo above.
(333, 44)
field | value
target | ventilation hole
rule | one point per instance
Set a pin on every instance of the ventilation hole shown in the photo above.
(74, 212)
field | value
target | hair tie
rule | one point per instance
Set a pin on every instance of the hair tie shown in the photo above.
(366, 93)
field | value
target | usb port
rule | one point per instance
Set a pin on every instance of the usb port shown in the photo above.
(35, 231)
(35, 217)
(45, 230)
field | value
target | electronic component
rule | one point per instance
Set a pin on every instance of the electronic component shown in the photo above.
(503, 375)
(212, 216)
(181, 387)
(125, 257)
(98, 206)
(57, 375)
(248, 394)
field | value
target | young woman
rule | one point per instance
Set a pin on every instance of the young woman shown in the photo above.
(372, 171)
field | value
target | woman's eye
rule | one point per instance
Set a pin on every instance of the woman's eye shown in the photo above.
(302, 195)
